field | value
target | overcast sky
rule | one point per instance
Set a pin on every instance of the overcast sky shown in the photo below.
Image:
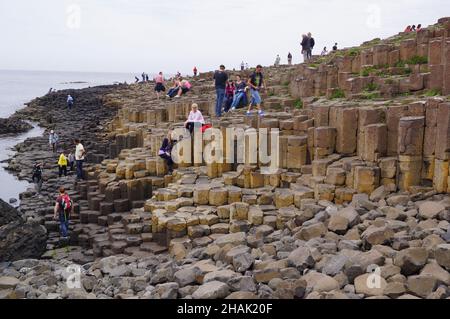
(138, 35)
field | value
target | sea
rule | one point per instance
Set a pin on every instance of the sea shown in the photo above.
(19, 87)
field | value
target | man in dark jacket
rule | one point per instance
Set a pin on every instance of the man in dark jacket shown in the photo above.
(305, 47)
(312, 43)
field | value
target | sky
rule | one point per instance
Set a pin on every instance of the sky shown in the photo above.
(176, 35)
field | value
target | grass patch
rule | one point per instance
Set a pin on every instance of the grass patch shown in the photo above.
(287, 83)
(338, 94)
(432, 92)
(417, 59)
(313, 65)
(370, 95)
(298, 104)
(389, 81)
(371, 87)
(367, 71)
(353, 52)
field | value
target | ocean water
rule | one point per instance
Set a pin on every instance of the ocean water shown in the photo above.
(19, 87)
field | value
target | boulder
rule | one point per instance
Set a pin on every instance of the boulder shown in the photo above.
(301, 259)
(411, 260)
(429, 210)
(212, 290)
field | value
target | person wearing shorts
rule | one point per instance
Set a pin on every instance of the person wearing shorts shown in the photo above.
(159, 87)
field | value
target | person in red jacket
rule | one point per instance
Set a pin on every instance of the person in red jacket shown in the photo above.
(195, 71)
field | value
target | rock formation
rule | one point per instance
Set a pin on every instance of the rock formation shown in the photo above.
(362, 187)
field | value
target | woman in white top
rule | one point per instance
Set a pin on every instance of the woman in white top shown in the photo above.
(194, 117)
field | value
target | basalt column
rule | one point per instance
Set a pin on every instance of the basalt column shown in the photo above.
(410, 151)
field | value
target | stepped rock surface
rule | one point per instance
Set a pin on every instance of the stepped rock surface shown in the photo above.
(359, 206)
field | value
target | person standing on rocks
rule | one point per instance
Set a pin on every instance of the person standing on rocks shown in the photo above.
(256, 84)
(80, 153)
(53, 140)
(63, 209)
(277, 61)
(159, 87)
(220, 82)
(312, 43)
(305, 47)
(37, 175)
(69, 102)
(71, 159)
(195, 71)
(62, 164)
(290, 58)
(242, 66)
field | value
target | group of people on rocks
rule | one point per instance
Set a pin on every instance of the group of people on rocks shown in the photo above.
(413, 28)
(72, 161)
(179, 87)
(66, 159)
(230, 94)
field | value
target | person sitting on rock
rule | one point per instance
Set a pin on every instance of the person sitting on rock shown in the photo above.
(63, 209)
(173, 91)
(408, 29)
(183, 88)
(413, 28)
(324, 51)
(165, 152)
(240, 93)
(53, 140)
(62, 164)
(229, 95)
(335, 47)
(195, 119)
(419, 27)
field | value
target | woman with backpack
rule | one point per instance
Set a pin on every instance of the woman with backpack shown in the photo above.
(37, 175)
(63, 209)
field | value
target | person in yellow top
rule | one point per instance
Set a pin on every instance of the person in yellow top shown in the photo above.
(62, 164)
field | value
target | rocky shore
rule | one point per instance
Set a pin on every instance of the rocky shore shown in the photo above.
(13, 125)
(359, 209)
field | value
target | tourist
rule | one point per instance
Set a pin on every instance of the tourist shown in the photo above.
(178, 74)
(174, 89)
(413, 28)
(71, 159)
(53, 140)
(305, 47)
(143, 77)
(229, 94)
(69, 102)
(185, 87)
(63, 209)
(312, 43)
(240, 93)
(246, 66)
(290, 58)
(146, 78)
(37, 175)
(195, 119)
(159, 84)
(220, 82)
(195, 71)
(419, 27)
(62, 164)
(80, 153)
(242, 66)
(137, 79)
(335, 47)
(277, 61)
(324, 51)
(256, 84)
(408, 29)
(165, 152)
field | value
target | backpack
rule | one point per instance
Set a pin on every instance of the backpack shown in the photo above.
(66, 204)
